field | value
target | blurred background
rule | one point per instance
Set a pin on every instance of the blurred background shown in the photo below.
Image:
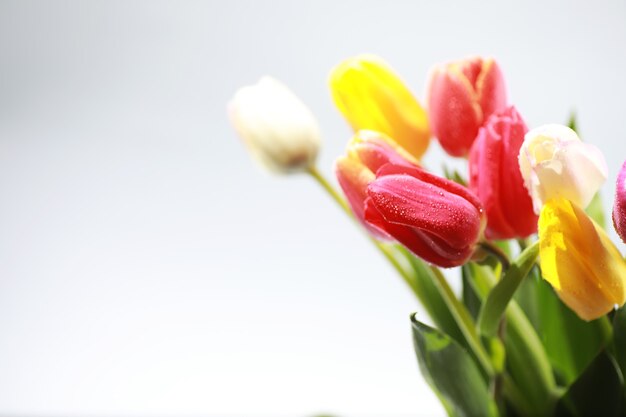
(148, 267)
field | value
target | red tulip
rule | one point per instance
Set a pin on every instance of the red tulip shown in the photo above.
(496, 179)
(461, 96)
(366, 152)
(437, 219)
(619, 206)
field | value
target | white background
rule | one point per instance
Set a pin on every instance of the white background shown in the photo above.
(148, 267)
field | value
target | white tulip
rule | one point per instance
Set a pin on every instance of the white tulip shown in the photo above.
(554, 162)
(276, 126)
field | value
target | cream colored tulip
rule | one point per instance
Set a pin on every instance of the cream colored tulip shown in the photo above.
(279, 130)
(555, 163)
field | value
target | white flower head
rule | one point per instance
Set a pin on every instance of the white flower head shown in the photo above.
(554, 162)
(279, 130)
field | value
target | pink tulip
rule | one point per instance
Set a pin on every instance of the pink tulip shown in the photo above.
(461, 96)
(496, 179)
(619, 206)
(437, 219)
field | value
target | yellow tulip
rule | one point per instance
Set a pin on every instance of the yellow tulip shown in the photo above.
(579, 260)
(372, 97)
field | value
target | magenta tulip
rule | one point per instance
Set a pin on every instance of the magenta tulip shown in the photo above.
(619, 206)
(437, 219)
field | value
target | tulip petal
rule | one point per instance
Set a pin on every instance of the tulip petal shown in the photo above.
(454, 111)
(587, 167)
(496, 178)
(423, 175)
(619, 207)
(367, 151)
(485, 180)
(406, 200)
(430, 248)
(371, 96)
(471, 69)
(579, 260)
(490, 88)
(575, 172)
(353, 178)
(555, 163)
(515, 201)
(375, 149)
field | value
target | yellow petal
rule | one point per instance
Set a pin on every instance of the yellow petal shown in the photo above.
(579, 260)
(371, 96)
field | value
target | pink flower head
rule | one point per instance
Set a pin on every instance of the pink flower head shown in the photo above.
(461, 96)
(496, 179)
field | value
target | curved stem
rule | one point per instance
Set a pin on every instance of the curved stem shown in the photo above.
(524, 350)
(497, 253)
(327, 186)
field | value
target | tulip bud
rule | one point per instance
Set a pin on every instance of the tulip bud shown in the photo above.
(280, 132)
(461, 96)
(554, 162)
(437, 219)
(579, 260)
(496, 179)
(366, 152)
(619, 206)
(371, 96)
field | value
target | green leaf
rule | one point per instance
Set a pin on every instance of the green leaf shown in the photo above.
(595, 210)
(468, 294)
(597, 392)
(452, 373)
(463, 321)
(432, 300)
(619, 338)
(526, 297)
(571, 122)
(571, 343)
(499, 297)
(454, 175)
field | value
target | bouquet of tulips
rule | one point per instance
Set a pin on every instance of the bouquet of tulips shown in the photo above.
(538, 329)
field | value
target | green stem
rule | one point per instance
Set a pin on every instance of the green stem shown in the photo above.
(606, 327)
(494, 306)
(516, 397)
(327, 186)
(497, 253)
(526, 355)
